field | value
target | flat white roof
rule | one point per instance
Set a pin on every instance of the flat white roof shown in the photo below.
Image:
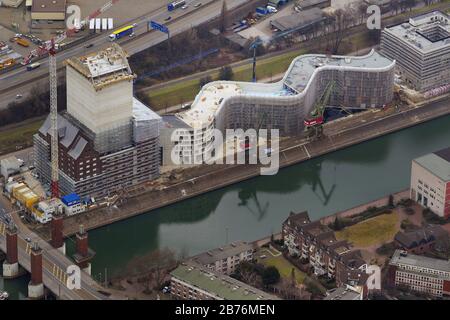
(105, 67)
(208, 101)
(102, 64)
(426, 32)
(143, 113)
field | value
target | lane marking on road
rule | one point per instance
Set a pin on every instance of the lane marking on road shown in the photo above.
(59, 273)
(28, 249)
(307, 152)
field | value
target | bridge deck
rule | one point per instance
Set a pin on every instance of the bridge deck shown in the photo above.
(54, 265)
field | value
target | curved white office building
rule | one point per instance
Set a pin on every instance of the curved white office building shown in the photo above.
(360, 82)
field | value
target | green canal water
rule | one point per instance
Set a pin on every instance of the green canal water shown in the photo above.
(256, 208)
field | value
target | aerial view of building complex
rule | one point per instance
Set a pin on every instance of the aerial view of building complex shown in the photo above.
(245, 150)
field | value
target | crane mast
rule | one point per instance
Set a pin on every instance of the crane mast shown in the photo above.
(54, 122)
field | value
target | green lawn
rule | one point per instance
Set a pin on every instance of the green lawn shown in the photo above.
(20, 136)
(283, 266)
(376, 230)
(186, 91)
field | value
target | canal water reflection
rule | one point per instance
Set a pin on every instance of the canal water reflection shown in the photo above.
(256, 208)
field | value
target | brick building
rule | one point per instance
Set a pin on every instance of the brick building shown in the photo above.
(316, 244)
(419, 273)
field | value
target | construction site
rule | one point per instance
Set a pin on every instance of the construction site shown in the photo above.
(109, 156)
(109, 150)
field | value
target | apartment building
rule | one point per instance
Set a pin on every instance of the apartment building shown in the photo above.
(191, 281)
(316, 244)
(430, 181)
(421, 48)
(225, 259)
(419, 273)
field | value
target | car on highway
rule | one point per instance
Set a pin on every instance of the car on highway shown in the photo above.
(90, 45)
(185, 7)
(168, 18)
(28, 239)
(19, 96)
(197, 5)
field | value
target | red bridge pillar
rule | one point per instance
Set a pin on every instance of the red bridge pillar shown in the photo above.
(83, 254)
(36, 286)
(57, 227)
(11, 264)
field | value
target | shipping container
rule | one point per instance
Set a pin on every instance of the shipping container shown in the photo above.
(17, 188)
(110, 23)
(98, 25)
(30, 200)
(104, 24)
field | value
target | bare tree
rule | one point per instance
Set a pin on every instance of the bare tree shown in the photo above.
(341, 20)
(289, 290)
(250, 277)
(153, 266)
(361, 9)
(395, 6)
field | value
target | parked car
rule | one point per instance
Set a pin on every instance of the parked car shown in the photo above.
(166, 290)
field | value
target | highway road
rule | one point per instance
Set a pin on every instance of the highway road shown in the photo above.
(20, 81)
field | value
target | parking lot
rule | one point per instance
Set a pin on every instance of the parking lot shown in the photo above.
(7, 34)
(262, 27)
(122, 12)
